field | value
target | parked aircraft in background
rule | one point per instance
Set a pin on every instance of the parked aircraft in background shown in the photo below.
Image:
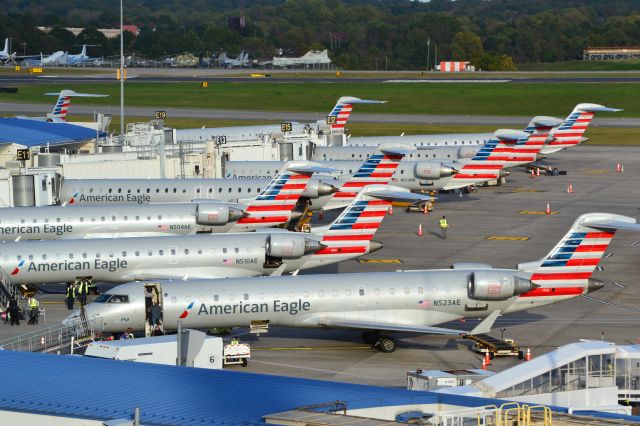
(205, 256)
(376, 303)
(242, 60)
(5, 55)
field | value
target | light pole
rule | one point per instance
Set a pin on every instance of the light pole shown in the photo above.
(121, 77)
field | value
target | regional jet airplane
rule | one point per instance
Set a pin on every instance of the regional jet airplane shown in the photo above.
(375, 303)
(61, 107)
(205, 256)
(336, 119)
(275, 205)
(561, 134)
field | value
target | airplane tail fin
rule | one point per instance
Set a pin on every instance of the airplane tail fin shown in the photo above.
(566, 270)
(378, 169)
(505, 148)
(340, 113)
(276, 201)
(61, 108)
(352, 231)
(5, 51)
(84, 50)
(571, 131)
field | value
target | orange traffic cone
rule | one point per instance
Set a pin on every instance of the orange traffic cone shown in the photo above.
(487, 358)
(527, 357)
(537, 171)
(426, 210)
(484, 364)
(548, 209)
(571, 188)
(532, 174)
(618, 168)
(391, 209)
(420, 230)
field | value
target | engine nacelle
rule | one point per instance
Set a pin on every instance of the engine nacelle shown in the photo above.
(216, 214)
(432, 170)
(317, 188)
(496, 285)
(468, 151)
(290, 246)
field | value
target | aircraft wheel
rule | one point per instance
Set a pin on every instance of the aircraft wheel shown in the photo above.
(386, 345)
(370, 337)
(244, 362)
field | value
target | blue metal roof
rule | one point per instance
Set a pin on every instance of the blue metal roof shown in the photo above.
(93, 388)
(34, 133)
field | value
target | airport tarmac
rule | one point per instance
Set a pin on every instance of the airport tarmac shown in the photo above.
(503, 213)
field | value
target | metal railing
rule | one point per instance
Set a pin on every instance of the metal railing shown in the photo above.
(55, 338)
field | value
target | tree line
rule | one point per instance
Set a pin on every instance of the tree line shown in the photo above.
(360, 34)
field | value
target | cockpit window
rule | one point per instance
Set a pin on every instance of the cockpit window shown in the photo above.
(112, 298)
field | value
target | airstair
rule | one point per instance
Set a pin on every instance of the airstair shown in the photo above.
(9, 291)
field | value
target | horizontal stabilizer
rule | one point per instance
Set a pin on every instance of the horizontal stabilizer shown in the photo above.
(353, 100)
(544, 121)
(391, 194)
(510, 134)
(396, 149)
(307, 167)
(76, 94)
(596, 108)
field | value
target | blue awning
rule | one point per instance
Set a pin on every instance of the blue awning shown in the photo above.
(32, 133)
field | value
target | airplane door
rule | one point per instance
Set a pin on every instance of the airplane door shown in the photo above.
(173, 255)
(154, 307)
(362, 295)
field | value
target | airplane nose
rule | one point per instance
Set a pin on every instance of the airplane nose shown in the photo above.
(71, 318)
(374, 246)
(594, 285)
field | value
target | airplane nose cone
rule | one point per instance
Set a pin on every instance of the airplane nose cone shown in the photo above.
(594, 285)
(374, 246)
(503, 173)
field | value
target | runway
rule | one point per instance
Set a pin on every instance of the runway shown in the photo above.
(14, 108)
(494, 211)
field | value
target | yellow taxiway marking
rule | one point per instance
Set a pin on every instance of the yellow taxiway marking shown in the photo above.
(505, 238)
(535, 212)
(379, 261)
(527, 190)
(593, 171)
(312, 348)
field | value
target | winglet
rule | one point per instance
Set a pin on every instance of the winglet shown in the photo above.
(486, 324)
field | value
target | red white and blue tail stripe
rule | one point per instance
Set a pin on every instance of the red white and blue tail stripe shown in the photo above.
(355, 227)
(340, 113)
(571, 131)
(378, 169)
(61, 108)
(566, 269)
(276, 201)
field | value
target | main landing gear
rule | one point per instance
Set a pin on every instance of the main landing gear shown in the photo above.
(383, 343)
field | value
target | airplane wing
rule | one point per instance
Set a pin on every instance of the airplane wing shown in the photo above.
(483, 327)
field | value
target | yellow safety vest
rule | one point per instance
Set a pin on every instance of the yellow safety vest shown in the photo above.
(33, 303)
(443, 223)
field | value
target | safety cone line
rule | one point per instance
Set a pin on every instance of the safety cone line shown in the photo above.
(420, 230)
(548, 209)
(391, 209)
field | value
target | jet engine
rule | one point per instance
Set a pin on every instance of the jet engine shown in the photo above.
(317, 188)
(289, 246)
(496, 285)
(214, 214)
(433, 170)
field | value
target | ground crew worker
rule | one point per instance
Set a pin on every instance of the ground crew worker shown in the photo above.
(443, 227)
(82, 291)
(34, 310)
(14, 311)
(71, 294)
